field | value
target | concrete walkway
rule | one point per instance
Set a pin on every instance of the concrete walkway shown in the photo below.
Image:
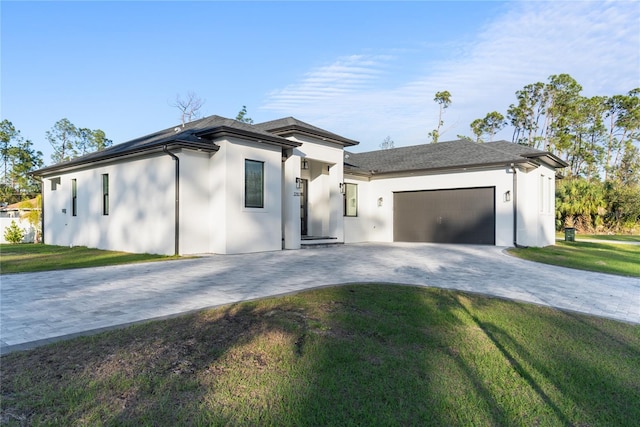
(36, 308)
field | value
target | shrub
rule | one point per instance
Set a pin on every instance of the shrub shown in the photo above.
(13, 233)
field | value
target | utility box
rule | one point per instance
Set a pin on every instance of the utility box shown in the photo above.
(569, 234)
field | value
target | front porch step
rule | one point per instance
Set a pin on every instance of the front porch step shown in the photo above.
(318, 242)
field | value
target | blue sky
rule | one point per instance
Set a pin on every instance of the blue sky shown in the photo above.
(365, 70)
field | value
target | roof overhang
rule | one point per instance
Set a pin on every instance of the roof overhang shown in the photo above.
(226, 131)
(187, 143)
(549, 160)
(292, 129)
(523, 164)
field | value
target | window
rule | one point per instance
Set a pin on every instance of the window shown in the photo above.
(54, 183)
(74, 197)
(351, 200)
(105, 194)
(253, 184)
(551, 195)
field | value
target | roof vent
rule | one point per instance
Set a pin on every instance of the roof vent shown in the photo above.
(176, 129)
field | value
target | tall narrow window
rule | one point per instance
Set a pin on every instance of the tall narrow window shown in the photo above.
(105, 194)
(351, 200)
(253, 184)
(74, 197)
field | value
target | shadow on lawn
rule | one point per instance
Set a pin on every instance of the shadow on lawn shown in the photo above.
(358, 354)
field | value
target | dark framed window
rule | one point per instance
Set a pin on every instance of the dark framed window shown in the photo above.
(253, 184)
(74, 197)
(105, 194)
(350, 200)
(54, 183)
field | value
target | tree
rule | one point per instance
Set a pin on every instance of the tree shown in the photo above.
(33, 215)
(443, 99)
(91, 140)
(387, 143)
(492, 123)
(242, 116)
(62, 138)
(69, 141)
(189, 107)
(13, 234)
(18, 159)
(623, 113)
(24, 159)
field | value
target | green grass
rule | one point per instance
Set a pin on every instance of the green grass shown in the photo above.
(622, 259)
(611, 237)
(351, 355)
(29, 257)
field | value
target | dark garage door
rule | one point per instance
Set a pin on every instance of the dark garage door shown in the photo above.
(466, 215)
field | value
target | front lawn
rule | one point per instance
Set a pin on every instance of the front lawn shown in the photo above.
(350, 355)
(621, 259)
(30, 257)
(610, 237)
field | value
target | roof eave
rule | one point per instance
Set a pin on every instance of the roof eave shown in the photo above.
(156, 148)
(524, 163)
(292, 129)
(226, 131)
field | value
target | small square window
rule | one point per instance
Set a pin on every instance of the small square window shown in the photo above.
(54, 183)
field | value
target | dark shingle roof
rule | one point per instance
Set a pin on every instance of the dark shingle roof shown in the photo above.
(445, 155)
(198, 135)
(289, 125)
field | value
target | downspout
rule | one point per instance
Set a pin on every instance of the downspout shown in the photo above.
(41, 209)
(515, 208)
(177, 203)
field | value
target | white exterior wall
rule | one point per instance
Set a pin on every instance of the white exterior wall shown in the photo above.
(141, 207)
(536, 210)
(324, 199)
(195, 193)
(536, 207)
(236, 229)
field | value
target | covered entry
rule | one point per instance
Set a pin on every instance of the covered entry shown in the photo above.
(464, 215)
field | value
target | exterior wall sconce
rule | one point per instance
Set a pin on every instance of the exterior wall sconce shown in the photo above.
(298, 183)
(507, 196)
(305, 163)
(380, 200)
(343, 187)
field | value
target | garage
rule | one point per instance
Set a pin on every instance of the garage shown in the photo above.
(462, 215)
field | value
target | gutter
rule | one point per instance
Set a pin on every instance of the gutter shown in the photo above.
(515, 208)
(177, 203)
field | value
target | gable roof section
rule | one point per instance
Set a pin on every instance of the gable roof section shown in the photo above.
(197, 135)
(290, 125)
(447, 155)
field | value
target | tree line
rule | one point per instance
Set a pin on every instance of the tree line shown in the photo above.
(19, 157)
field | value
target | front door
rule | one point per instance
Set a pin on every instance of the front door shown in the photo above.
(303, 206)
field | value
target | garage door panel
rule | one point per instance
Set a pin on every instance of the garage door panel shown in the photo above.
(445, 216)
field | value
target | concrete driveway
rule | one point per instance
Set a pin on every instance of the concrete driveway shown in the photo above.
(36, 308)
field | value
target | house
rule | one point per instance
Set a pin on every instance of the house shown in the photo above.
(218, 185)
(16, 212)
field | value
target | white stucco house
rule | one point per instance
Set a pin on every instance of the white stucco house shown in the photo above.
(218, 185)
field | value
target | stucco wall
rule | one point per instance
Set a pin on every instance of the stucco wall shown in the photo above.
(536, 207)
(324, 177)
(141, 208)
(375, 223)
(536, 210)
(246, 229)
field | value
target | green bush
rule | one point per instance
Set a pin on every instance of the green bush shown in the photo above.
(13, 233)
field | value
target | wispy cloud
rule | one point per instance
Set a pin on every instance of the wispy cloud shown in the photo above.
(598, 43)
(346, 75)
